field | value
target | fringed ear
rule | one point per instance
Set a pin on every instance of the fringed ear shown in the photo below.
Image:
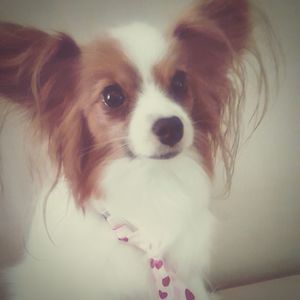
(40, 72)
(211, 39)
(213, 33)
(35, 68)
(232, 17)
(73, 143)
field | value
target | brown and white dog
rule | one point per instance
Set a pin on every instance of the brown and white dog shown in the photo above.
(132, 123)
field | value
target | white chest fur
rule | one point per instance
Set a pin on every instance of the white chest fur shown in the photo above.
(167, 200)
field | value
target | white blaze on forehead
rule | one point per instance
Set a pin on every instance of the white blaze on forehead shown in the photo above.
(153, 105)
(143, 45)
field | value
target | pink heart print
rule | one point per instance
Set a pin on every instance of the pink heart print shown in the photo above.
(166, 281)
(162, 295)
(189, 295)
(156, 263)
(124, 239)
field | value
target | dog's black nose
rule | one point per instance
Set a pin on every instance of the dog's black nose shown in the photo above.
(168, 130)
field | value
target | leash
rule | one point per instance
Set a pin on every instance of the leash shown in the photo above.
(168, 287)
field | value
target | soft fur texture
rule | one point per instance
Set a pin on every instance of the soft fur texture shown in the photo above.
(111, 157)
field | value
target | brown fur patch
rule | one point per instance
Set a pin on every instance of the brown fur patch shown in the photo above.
(210, 40)
(103, 64)
(60, 85)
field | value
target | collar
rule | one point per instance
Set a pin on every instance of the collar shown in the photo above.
(167, 284)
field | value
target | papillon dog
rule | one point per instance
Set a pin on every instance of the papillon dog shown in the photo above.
(132, 124)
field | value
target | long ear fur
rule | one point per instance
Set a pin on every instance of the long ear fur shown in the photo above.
(232, 17)
(214, 33)
(33, 64)
(213, 36)
(40, 72)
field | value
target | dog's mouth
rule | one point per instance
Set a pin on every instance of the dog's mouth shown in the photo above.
(163, 156)
(168, 155)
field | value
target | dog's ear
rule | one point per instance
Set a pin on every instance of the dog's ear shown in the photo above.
(214, 33)
(232, 18)
(40, 72)
(210, 39)
(36, 68)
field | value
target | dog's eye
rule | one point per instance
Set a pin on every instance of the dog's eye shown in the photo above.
(113, 96)
(178, 87)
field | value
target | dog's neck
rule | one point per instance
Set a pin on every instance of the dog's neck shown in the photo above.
(160, 197)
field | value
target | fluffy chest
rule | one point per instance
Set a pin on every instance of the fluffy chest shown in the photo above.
(161, 198)
(166, 201)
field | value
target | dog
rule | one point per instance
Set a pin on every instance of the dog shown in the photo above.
(132, 124)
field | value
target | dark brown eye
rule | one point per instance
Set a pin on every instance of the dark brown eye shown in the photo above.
(179, 85)
(113, 96)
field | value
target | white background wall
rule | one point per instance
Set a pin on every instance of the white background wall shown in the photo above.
(259, 229)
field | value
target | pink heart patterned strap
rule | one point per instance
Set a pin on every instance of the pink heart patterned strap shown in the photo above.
(167, 285)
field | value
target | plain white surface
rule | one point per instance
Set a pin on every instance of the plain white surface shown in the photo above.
(259, 227)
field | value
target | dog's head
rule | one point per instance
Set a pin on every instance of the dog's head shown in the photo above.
(133, 92)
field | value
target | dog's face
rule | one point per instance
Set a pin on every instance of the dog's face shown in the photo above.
(134, 92)
(139, 113)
